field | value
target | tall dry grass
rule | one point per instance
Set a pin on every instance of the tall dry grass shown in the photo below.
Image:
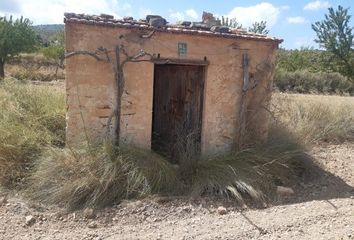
(250, 175)
(105, 174)
(32, 127)
(315, 118)
(34, 67)
(99, 177)
(31, 118)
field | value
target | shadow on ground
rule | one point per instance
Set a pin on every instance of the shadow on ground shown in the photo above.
(313, 182)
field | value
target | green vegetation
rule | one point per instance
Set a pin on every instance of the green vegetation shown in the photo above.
(230, 22)
(309, 71)
(304, 81)
(48, 33)
(335, 35)
(259, 27)
(308, 59)
(328, 71)
(19, 36)
(56, 51)
(16, 36)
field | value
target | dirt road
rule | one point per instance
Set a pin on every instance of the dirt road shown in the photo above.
(322, 208)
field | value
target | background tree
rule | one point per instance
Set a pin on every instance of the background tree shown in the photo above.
(335, 35)
(15, 37)
(230, 22)
(304, 58)
(56, 50)
(259, 27)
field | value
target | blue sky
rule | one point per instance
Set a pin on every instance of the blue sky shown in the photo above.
(290, 20)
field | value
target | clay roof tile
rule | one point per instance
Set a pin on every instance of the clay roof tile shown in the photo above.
(101, 21)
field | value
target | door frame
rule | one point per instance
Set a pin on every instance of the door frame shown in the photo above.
(179, 61)
(188, 62)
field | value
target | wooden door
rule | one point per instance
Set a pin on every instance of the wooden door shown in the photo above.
(177, 110)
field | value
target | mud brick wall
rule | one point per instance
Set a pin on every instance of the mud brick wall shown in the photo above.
(92, 88)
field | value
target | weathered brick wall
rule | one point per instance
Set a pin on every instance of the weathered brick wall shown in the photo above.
(92, 90)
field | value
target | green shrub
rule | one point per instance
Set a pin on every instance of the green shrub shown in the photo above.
(55, 52)
(303, 81)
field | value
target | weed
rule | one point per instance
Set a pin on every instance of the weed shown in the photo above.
(250, 175)
(100, 177)
(313, 118)
(31, 117)
(32, 127)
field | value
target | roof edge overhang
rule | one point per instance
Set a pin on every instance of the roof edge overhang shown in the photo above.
(85, 19)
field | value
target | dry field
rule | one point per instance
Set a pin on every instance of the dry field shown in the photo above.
(34, 67)
(316, 118)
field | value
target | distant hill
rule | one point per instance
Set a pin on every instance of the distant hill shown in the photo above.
(49, 27)
(47, 32)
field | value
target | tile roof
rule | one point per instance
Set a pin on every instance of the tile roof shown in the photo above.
(107, 20)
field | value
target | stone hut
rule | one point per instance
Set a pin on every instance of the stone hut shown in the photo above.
(155, 85)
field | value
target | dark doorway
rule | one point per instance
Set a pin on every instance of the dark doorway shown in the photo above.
(177, 110)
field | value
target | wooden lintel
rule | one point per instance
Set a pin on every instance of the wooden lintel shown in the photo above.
(180, 61)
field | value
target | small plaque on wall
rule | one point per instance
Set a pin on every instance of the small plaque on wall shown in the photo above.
(182, 49)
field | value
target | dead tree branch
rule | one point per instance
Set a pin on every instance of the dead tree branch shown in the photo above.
(95, 54)
(250, 82)
(121, 80)
(119, 74)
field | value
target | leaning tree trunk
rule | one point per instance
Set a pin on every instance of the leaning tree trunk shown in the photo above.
(2, 71)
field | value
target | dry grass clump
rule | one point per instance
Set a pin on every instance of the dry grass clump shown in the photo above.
(314, 118)
(99, 176)
(250, 175)
(103, 175)
(32, 128)
(34, 74)
(31, 117)
(34, 67)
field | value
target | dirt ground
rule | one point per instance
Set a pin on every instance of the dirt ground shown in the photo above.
(321, 208)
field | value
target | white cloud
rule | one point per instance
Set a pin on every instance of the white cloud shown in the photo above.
(285, 7)
(183, 15)
(316, 5)
(125, 9)
(47, 12)
(179, 16)
(192, 13)
(297, 19)
(260, 12)
(144, 11)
